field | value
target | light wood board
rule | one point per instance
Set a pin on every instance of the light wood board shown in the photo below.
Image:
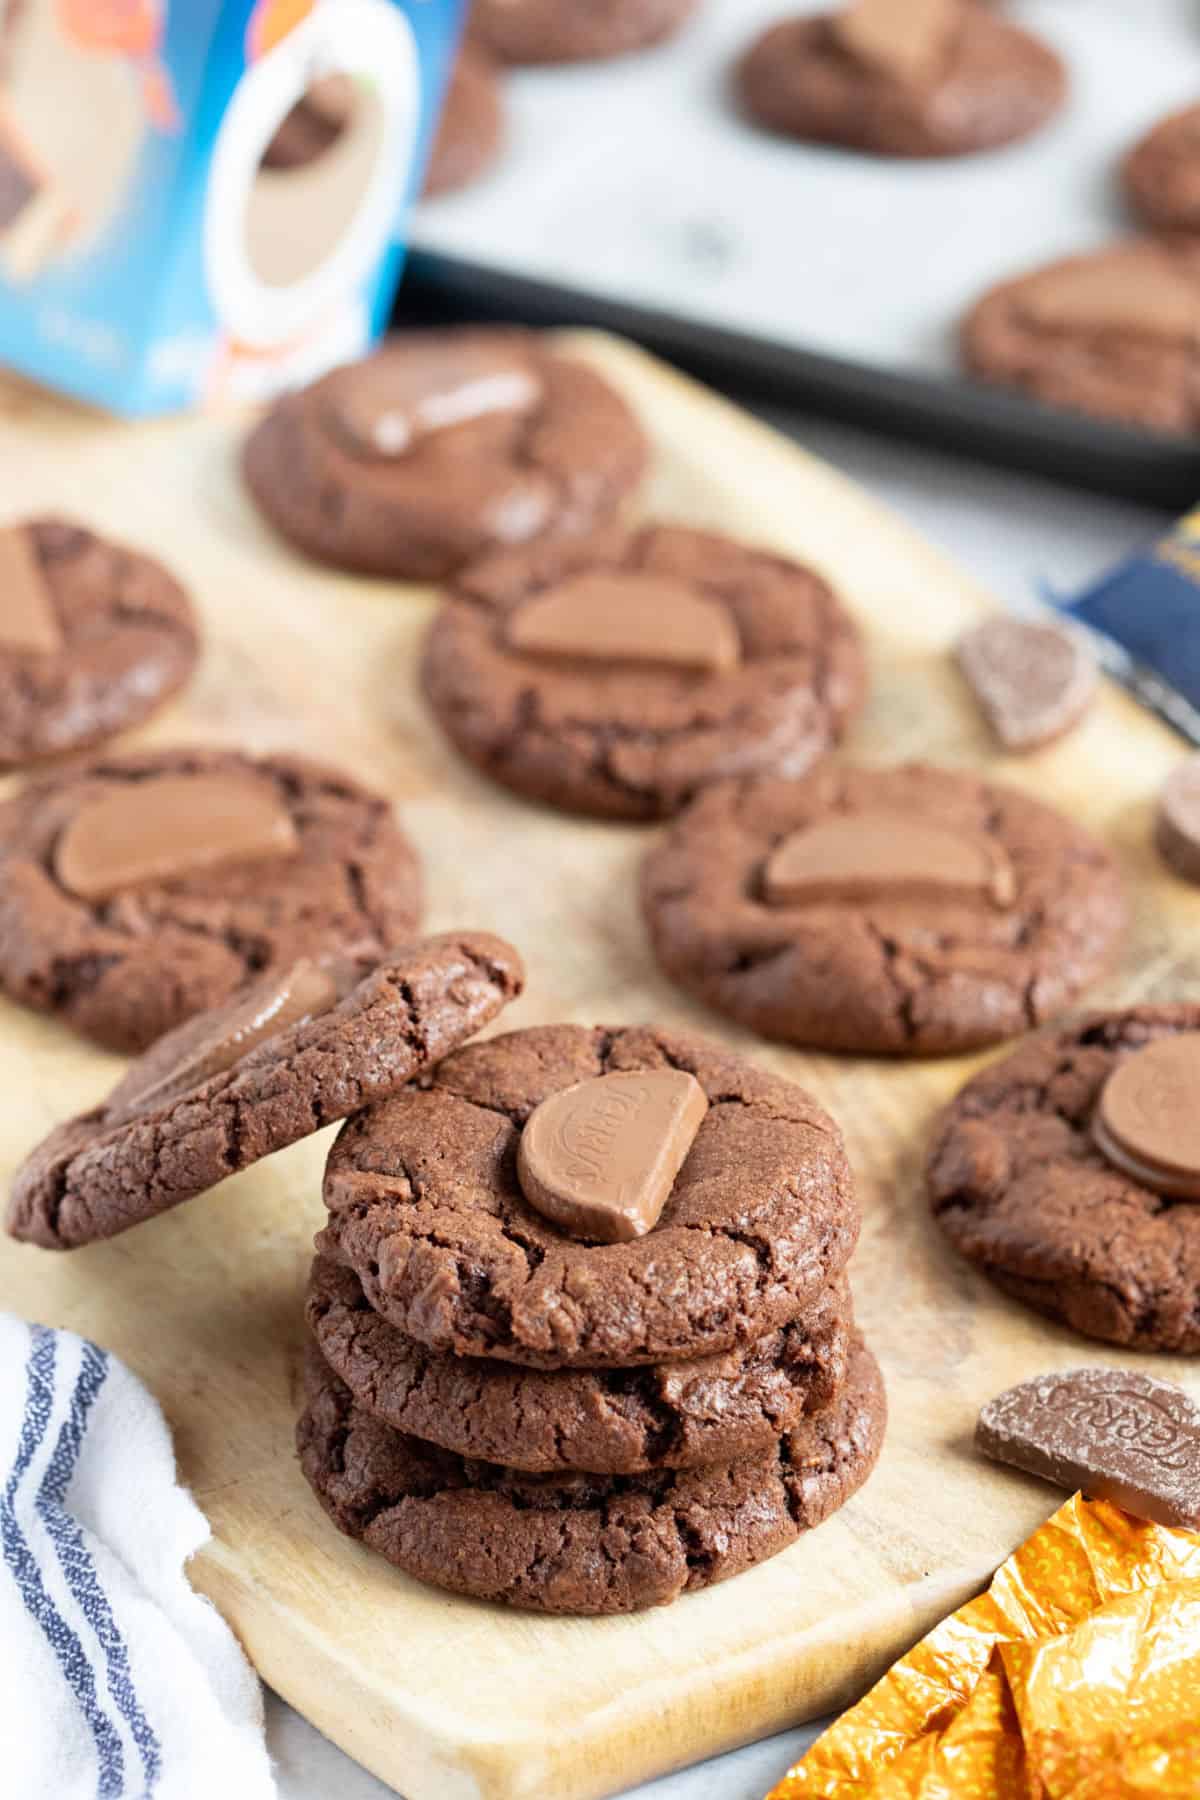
(445, 1698)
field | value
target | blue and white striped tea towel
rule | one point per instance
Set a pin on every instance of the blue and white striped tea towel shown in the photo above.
(117, 1681)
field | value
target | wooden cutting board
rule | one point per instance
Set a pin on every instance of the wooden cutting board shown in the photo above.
(445, 1698)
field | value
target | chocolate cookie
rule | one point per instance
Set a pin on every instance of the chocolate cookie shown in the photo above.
(581, 1543)
(293, 1051)
(443, 445)
(1115, 333)
(610, 1421)
(934, 78)
(140, 890)
(93, 638)
(558, 31)
(908, 911)
(427, 1209)
(471, 128)
(1022, 1187)
(619, 674)
(1161, 174)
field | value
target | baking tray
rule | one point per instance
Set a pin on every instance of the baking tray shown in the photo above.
(633, 196)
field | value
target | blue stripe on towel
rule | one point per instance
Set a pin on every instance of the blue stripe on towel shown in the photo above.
(72, 1659)
(75, 1558)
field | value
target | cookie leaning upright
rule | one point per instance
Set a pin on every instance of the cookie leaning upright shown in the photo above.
(618, 674)
(440, 446)
(911, 911)
(288, 1054)
(139, 890)
(94, 638)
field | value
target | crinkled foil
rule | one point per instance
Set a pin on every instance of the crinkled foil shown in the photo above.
(1075, 1677)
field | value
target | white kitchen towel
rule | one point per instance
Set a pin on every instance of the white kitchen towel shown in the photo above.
(117, 1681)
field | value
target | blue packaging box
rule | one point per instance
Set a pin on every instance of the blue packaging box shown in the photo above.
(150, 258)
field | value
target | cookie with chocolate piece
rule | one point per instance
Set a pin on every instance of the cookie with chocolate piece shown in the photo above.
(1069, 1174)
(94, 638)
(1115, 333)
(619, 674)
(139, 890)
(441, 446)
(911, 911)
(584, 1544)
(294, 1051)
(428, 1209)
(916, 78)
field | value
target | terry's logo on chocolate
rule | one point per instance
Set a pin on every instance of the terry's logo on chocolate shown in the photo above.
(28, 617)
(858, 856)
(167, 826)
(1117, 1434)
(1123, 1417)
(600, 1159)
(616, 617)
(383, 406)
(1147, 1124)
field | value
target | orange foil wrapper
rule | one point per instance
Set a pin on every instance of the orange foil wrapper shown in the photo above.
(1075, 1677)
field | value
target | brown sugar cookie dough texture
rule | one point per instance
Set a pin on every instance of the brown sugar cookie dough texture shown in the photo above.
(1161, 174)
(618, 674)
(1069, 1174)
(441, 446)
(140, 890)
(93, 638)
(428, 1209)
(1115, 333)
(609, 1421)
(558, 31)
(916, 78)
(586, 1544)
(289, 1053)
(908, 911)
(471, 128)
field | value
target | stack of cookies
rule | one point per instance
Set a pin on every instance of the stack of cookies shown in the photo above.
(582, 1337)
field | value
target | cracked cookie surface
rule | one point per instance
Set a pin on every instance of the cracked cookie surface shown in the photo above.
(557, 469)
(427, 1209)
(620, 1421)
(582, 1544)
(121, 1163)
(623, 741)
(909, 977)
(1021, 1190)
(126, 969)
(129, 640)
